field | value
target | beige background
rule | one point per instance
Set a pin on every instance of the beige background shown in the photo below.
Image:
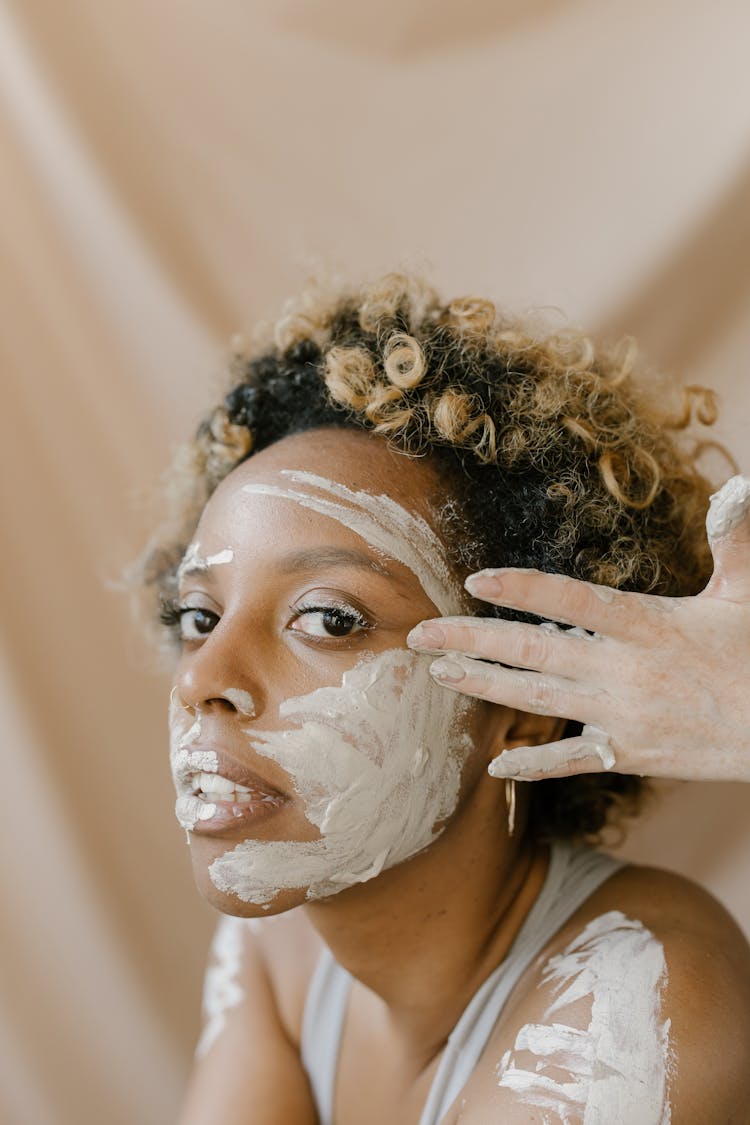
(167, 172)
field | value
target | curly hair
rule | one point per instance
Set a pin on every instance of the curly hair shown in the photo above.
(555, 453)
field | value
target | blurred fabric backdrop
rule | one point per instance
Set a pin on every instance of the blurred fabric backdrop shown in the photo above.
(168, 172)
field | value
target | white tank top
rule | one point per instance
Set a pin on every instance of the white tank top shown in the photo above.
(574, 873)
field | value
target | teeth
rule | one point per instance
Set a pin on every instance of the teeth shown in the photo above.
(214, 785)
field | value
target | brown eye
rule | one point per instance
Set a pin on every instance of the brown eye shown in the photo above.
(330, 621)
(196, 623)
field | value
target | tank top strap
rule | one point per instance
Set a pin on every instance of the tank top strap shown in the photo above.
(322, 1025)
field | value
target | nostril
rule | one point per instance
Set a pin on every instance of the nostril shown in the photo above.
(241, 700)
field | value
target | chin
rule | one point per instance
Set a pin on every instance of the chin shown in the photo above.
(229, 903)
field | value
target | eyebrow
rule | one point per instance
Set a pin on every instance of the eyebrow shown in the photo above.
(313, 558)
(319, 558)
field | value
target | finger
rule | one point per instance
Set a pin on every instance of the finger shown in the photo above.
(590, 752)
(543, 648)
(524, 690)
(599, 609)
(728, 530)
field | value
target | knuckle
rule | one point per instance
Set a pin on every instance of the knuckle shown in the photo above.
(575, 598)
(543, 697)
(532, 649)
(469, 637)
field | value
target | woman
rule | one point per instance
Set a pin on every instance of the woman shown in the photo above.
(430, 946)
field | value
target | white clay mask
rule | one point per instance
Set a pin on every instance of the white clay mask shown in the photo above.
(376, 759)
(382, 523)
(222, 989)
(615, 1071)
(377, 762)
(729, 506)
(195, 563)
(185, 763)
(185, 723)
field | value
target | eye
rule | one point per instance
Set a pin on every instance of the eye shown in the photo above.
(190, 622)
(335, 621)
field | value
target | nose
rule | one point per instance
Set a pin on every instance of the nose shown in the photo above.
(215, 677)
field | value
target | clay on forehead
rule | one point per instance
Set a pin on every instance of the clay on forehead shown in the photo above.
(383, 523)
(192, 560)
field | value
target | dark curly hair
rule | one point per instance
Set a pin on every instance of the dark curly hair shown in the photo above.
(553, 453)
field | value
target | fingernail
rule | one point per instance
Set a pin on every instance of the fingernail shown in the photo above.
(426, 636)
(448, 670)
(484, 582)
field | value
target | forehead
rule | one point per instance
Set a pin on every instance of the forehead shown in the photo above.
(325, 486)
(362, 462)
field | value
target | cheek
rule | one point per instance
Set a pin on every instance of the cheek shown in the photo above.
(376, 763)
(395, 753)
(204, 852)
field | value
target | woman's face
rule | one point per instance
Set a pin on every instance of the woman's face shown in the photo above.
(310, 748)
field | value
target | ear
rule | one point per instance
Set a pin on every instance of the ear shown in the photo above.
(526, 729)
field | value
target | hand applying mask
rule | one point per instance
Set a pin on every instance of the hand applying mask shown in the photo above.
(662, 687)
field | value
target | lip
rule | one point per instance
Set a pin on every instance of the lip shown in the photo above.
(230, 816)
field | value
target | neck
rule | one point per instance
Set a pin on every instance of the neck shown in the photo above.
(448, 915)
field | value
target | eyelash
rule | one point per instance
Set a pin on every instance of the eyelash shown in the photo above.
(342, 609)
(172, 612)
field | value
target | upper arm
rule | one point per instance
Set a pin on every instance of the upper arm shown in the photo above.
(707, 1000)
(247, 1067)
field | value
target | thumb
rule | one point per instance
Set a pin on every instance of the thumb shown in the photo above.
(728, 529)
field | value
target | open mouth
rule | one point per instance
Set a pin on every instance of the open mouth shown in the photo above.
(217, 789)
(213, 803)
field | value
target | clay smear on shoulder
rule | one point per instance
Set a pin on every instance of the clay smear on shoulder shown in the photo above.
(616, 1070)
(377, 759)
(222, 990)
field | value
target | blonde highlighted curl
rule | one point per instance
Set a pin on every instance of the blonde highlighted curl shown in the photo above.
(419, 372)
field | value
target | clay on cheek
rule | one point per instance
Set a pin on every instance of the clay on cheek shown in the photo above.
(377, 762)
(377, 759)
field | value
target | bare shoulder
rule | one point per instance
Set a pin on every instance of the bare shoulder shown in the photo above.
(637, 1010)
(248, 1066)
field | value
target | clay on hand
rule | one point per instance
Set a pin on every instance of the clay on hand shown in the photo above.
(661, 685)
